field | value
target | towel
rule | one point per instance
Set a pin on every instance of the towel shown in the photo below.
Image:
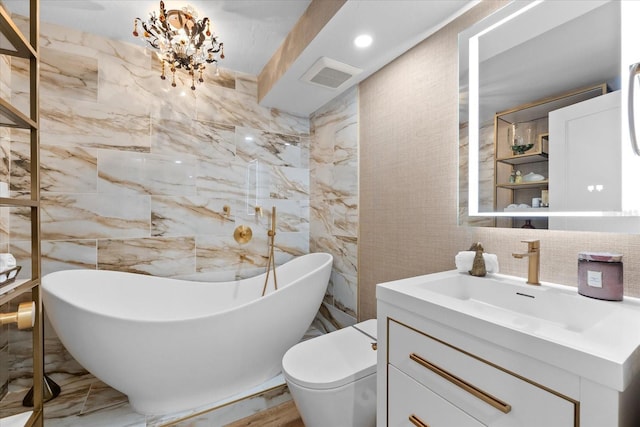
(464, 261)
(7, 261)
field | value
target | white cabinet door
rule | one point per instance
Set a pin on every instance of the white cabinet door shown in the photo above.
(584, 152)
(412, 404)
(492, 395)
(584, 165)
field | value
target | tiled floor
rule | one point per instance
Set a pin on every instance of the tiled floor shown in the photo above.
(86, 401)
(283, 415)
(103, 406)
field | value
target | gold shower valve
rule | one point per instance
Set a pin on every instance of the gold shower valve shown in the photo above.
(243, 234)
(227, 210)
(258, 210)
(25, 317)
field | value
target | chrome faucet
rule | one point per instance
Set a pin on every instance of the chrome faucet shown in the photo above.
(533, 253)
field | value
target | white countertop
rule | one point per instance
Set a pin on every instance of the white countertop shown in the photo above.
(598, 340)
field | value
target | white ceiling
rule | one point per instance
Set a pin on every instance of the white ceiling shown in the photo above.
(252, 30)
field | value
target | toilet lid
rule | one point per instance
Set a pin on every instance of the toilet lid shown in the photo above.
(331, 360)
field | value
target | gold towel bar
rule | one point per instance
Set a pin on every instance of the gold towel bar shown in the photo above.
(469, 388)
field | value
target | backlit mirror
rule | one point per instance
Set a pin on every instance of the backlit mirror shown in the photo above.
(542, 119)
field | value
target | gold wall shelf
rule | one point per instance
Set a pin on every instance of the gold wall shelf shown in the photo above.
(524, 158)
(522, 185)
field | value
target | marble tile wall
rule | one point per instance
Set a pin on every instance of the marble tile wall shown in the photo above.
(5, 144)
(4, 356)
(485, 171)
(135, 174)
(334, 201)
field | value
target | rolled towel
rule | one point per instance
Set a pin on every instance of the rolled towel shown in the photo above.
(464, 261)
(7, 261)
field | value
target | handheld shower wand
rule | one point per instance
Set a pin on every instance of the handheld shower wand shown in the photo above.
(271, 237)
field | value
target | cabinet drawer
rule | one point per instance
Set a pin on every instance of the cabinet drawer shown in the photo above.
(414, 405)
(485, 391)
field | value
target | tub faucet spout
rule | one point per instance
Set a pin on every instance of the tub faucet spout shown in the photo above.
(533, 253)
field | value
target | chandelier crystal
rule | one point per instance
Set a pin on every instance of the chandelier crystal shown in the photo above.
(181, 41)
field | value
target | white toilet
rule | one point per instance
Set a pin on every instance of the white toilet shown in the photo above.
(332, 378)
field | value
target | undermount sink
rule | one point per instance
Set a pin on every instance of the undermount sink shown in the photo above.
(551, 322)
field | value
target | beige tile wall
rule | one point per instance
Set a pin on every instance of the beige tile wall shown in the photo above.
(409, 173)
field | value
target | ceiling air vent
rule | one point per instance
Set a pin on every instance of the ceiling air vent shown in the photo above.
(329, 73)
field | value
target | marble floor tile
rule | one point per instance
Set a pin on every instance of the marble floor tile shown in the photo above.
(100, 397)
(283, 415)
(116, 416)
(87, 401)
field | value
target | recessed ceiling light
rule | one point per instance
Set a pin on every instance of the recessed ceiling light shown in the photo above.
(248, 138)
(363, 40)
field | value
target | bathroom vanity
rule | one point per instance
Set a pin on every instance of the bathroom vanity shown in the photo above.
(458, 350)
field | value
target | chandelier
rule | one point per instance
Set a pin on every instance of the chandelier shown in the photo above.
(181, 41)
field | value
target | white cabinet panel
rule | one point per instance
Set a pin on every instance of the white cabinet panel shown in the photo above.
(584, 165)
(483, 390)
(584, 155)
(409, 399)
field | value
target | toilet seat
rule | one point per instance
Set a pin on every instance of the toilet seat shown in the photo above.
(333, 360)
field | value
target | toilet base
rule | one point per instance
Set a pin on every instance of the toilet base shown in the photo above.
(351, 405)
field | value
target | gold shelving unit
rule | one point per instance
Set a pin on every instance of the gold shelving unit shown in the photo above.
(10, 116)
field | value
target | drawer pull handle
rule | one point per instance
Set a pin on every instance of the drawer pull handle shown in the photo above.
(469, 388)
(417, 421)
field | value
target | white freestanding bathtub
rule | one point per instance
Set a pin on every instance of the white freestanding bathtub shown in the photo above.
(171, 345)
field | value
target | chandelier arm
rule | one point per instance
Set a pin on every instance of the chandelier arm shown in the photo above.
(199, 41)
(181, 40)
(152, 37)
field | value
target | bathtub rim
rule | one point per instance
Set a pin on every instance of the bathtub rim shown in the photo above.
(157, 320)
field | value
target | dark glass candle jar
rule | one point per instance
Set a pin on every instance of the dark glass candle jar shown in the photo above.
(600, 275)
